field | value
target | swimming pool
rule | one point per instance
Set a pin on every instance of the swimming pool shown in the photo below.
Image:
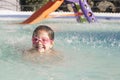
(91, 51)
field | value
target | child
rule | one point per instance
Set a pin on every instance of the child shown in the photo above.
(43, 39)
(42, 42)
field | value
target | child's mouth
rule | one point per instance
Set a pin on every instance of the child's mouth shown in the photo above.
(40, 47)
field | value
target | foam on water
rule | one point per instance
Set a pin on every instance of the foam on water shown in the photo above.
(90, 51)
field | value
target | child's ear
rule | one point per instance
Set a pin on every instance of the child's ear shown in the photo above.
(52, 42)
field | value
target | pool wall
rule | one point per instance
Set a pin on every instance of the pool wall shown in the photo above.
(18, 15)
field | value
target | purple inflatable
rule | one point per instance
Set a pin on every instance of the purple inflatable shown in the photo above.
(76, 1)
(85, 9)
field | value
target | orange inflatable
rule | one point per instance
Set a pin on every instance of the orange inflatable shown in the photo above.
(43, 12)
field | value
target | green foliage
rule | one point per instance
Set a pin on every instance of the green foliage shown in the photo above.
(32, 5)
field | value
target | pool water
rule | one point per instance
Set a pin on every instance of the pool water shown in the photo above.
(90, 51)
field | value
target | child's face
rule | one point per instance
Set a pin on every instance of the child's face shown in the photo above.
(42, 42)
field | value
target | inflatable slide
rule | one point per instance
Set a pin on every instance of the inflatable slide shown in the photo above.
(43, 12)
(80, 7)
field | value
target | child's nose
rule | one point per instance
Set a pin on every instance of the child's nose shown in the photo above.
(39, 41)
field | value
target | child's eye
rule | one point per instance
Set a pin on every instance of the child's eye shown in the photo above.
(45, 40)
(35, 39)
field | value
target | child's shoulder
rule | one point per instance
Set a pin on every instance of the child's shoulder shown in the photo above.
(57, 54)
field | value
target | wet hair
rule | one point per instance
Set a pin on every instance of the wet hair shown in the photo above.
(45, 28)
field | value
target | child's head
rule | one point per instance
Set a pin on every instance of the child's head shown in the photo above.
(43, 38)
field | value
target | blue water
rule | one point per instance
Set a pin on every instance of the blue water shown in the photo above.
(90, 52)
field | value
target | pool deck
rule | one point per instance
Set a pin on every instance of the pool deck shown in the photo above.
(18, 15)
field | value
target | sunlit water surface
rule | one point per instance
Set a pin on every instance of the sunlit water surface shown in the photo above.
(90, 51)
